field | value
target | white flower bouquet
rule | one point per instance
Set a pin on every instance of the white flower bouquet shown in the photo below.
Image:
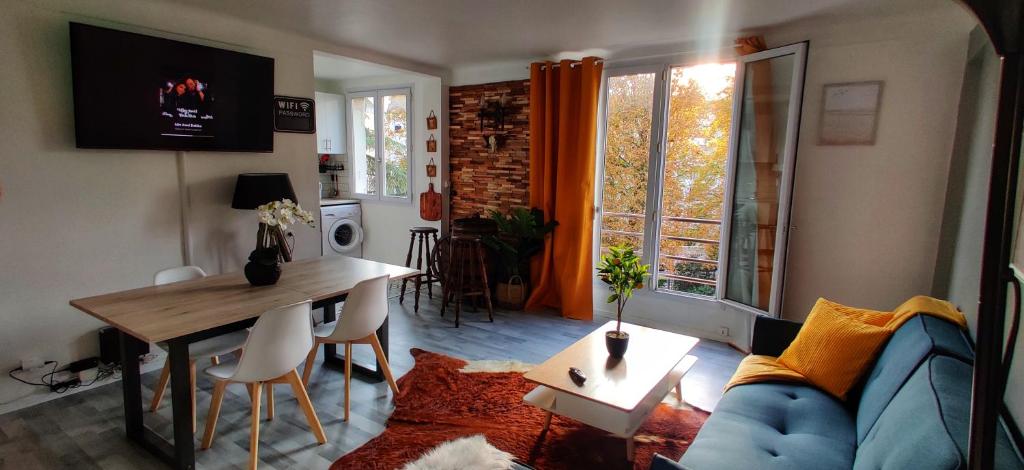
(275, 217)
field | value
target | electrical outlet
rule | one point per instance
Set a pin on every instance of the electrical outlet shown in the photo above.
(724, 331)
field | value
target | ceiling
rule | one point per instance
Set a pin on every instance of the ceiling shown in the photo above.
(451, 33)
(332, 67)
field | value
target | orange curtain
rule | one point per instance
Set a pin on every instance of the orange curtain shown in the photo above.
(563, 135)
(766, 170)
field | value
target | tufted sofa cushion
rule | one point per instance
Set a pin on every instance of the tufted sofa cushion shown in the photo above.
(918, 338)
(774, 426)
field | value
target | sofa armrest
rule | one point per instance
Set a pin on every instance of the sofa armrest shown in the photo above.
(772, 335)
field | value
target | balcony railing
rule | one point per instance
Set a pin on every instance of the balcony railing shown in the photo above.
(672, 257)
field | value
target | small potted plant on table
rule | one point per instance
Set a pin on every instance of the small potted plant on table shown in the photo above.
(622, 271)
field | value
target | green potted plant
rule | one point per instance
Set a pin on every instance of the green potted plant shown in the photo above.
(520, 236)
(620, 268)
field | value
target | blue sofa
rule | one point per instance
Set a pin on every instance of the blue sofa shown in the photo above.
(911, 411)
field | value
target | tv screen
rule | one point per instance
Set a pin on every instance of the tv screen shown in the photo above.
(141, 92)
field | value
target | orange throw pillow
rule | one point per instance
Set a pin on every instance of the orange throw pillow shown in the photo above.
(863, 315)
(834, 347)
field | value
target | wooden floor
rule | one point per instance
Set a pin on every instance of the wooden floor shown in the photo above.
(85, 430)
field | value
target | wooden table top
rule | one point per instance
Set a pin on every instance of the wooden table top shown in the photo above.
(651, 356)
(159, 313)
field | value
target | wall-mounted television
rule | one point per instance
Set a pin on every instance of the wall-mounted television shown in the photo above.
(134, 91)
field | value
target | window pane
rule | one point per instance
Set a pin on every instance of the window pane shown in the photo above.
(627, 152)
(697, 146)
(396, 145)
(760, 149)
(364, 145)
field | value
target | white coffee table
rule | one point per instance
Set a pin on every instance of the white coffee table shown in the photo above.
(618, 396)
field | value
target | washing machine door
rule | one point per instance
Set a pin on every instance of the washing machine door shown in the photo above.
(345, 236)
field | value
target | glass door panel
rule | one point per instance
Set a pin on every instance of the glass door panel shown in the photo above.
(630, 112)
(693, 176)
(771, 87)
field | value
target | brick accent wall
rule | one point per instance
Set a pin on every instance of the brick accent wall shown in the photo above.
(482, 180)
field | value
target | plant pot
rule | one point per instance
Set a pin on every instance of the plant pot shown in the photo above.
(616, 342)
(263, 268)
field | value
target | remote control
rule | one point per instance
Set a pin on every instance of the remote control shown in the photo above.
(577, 376)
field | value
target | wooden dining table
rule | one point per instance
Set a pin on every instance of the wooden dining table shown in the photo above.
(186, 312)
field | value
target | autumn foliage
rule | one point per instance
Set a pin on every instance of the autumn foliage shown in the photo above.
(693, 171)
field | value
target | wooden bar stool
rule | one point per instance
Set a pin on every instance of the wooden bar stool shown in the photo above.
(424, 234)
(465, 274)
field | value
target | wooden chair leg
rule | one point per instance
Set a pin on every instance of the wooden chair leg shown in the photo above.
(268, 388)
(486, 285)
(248, 389)
(307, 406)
(445, 294)
(430, 269)
(383, 360)
(161, 386)
(254, 431)
(310, 359)
(408, 261)
(211, 418)
(419, 269)
(215, 360)
(192, 382)
(348, 378)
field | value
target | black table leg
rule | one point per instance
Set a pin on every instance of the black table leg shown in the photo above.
(331, 356)
(181, 401)
(132, 387)
(135, 426)
(330, 350)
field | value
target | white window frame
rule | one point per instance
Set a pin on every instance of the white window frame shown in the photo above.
(378, 117)
(652, 222)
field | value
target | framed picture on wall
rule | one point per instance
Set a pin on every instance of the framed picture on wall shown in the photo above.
(849, 113)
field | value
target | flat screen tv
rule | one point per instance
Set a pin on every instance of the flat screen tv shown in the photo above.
(141, 92)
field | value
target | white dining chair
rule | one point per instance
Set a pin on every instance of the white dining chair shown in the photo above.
(365, 310)
(276, 346)
(208, 349)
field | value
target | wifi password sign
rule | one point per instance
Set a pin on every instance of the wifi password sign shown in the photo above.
(293, 114)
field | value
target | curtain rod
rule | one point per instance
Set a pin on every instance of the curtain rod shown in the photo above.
(730, 47)
(571, 64)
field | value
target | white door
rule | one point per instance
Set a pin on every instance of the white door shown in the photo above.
(762, 159)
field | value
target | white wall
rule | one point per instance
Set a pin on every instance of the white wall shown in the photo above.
(386, 224)
(76, 223)
(866, 219)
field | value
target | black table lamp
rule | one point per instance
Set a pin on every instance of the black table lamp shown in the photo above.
(255, 189)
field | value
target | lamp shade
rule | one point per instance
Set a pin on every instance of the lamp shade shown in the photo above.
(255, 189)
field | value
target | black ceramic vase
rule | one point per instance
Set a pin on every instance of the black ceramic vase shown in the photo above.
(616, 343)
(263, 268)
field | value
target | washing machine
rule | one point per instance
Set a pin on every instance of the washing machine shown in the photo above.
(342, 228)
